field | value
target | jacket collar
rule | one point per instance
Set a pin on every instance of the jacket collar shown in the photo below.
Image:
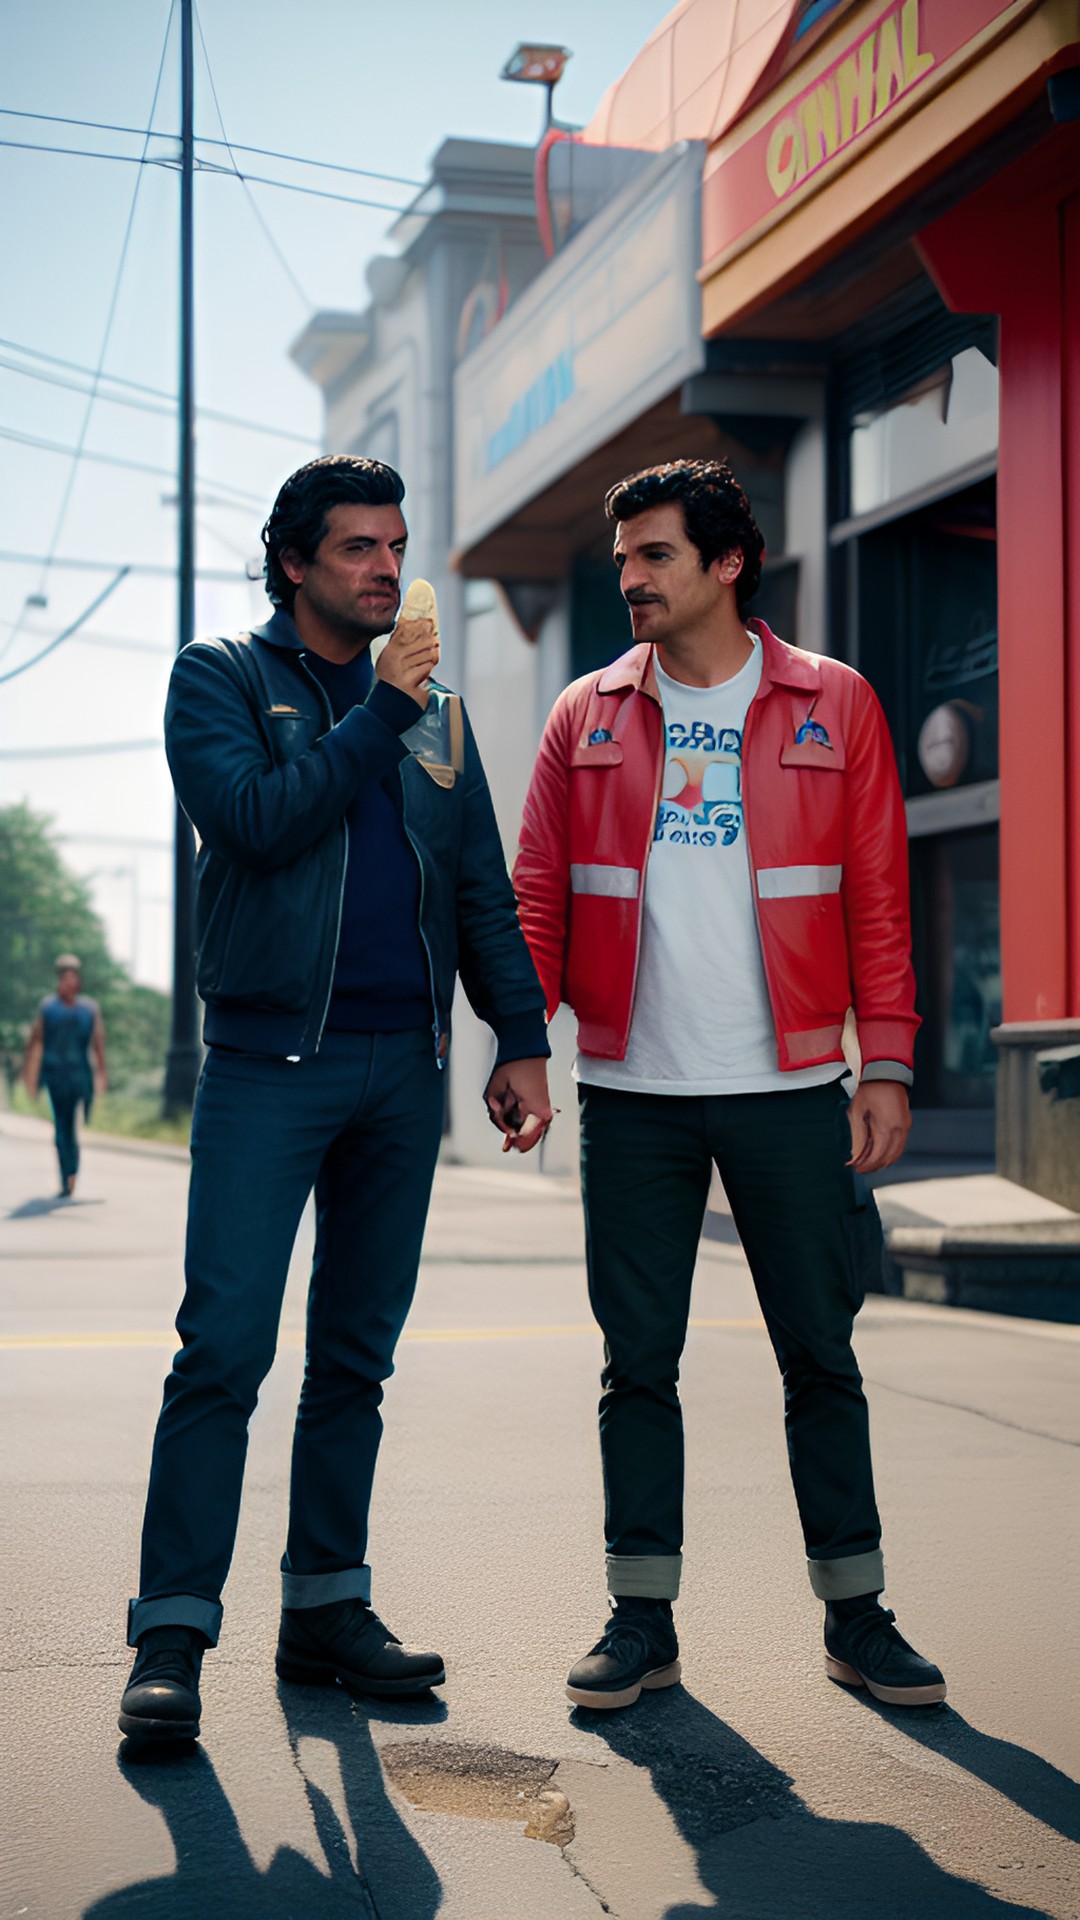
(781, 666)
(280, 631)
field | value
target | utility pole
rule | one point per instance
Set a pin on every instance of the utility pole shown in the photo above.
(182, 1065)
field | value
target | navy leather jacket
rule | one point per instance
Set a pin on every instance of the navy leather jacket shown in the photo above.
(266, 778)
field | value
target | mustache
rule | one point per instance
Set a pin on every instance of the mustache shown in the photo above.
(637, 597)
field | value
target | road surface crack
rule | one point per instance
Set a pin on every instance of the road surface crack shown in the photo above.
(979, 1413)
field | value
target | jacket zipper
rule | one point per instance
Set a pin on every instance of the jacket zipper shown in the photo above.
(753, 869)
(644, 870)
(329, 713)
(440, 1059)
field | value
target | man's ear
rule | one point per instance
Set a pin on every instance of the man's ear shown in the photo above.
(293, 565)
(728, 566)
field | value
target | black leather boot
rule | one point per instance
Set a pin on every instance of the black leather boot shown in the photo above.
(161, 1700)
(346, 1641)
(863, 1648)
(637, 1651)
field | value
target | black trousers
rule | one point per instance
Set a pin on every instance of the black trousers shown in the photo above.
(646, 1167)
(361, 1124)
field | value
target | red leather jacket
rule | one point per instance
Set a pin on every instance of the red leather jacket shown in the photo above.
(826, 838)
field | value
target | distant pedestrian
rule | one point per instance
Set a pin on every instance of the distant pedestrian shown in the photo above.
(68, 1030)
(713, 870)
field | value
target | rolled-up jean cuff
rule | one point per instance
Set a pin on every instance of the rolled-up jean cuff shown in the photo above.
(174, 1610)
(651, 1576)
(843, 1579)
(322, 1589)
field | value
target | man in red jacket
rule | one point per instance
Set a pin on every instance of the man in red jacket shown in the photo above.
(712, 872)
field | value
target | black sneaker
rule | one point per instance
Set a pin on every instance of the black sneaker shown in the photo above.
(346, 1641)
(637, 1649)
(863, 1648)
(161, 1699)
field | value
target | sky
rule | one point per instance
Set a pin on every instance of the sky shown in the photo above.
(90, 278)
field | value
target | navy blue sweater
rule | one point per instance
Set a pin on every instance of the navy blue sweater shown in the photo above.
(382, 981)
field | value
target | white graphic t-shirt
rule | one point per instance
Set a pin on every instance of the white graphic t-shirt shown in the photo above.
(702, 1022)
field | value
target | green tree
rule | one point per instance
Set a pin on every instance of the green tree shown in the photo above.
(45, 909)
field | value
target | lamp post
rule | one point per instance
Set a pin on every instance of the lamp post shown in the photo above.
(538, 66)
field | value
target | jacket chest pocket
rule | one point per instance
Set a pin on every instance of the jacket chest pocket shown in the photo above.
(596, 754)
(289, 732)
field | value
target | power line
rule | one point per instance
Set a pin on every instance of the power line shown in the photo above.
(235, 146)
(240, 499)
(114, 840)
(9, 557)
(77, 451)
(76, 753)
(275, 249)
(142, 406)
(259, 179)
(58, 639)
(123, 642)
(120, 644)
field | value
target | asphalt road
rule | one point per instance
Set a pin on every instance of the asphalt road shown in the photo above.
(756, 1791)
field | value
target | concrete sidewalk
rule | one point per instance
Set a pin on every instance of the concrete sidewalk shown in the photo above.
(755, 1790)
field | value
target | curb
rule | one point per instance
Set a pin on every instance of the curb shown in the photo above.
(30, 1128)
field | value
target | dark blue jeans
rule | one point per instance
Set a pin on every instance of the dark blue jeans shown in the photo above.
(65, 1107)
(64, 1098)
(361, 1123)
(807, 1233)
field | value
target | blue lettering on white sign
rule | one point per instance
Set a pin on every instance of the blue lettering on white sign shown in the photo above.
(537, 405)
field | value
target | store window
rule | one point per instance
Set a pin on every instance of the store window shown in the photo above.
(926, 638)
(923, 605)
(956, 941)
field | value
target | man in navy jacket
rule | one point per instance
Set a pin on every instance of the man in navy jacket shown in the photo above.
(349, 869)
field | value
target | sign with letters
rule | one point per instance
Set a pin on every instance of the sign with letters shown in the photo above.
(778, 155)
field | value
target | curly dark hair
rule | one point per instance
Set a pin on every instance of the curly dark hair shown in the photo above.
(298, 516)
(715, 508)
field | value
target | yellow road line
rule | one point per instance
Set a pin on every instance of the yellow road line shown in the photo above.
(292, 1337)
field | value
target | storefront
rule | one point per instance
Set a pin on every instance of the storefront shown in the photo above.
(904, 191)
(887, 345)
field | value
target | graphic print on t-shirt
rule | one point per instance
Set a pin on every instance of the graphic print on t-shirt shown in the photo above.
(701, 792)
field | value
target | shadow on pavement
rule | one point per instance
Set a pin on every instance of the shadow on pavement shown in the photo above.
(1030, 1782)
(57, 1203)
(374, 1859)
(760, 1850)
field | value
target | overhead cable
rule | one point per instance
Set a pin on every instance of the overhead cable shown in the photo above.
(235, 146)
(239, 498)
(280, 257)
(77, 753)
(157, 569)
(259, 179)
(142, 406)
(59, 638)
(76, 452)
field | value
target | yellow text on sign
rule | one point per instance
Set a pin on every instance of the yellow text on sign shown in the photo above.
(877, 72)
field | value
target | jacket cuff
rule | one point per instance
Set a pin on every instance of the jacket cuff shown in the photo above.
(397, 710)
(888, 1070)
(366, 744)
(521, 1036)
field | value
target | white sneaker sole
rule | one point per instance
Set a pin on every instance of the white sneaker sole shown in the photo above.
(649, 1683)
(892, 1696)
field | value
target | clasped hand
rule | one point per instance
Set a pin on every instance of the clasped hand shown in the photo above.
(518, 1104)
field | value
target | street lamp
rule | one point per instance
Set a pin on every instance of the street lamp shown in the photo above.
(538, 66)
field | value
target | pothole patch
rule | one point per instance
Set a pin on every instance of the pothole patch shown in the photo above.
(481, 1783)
